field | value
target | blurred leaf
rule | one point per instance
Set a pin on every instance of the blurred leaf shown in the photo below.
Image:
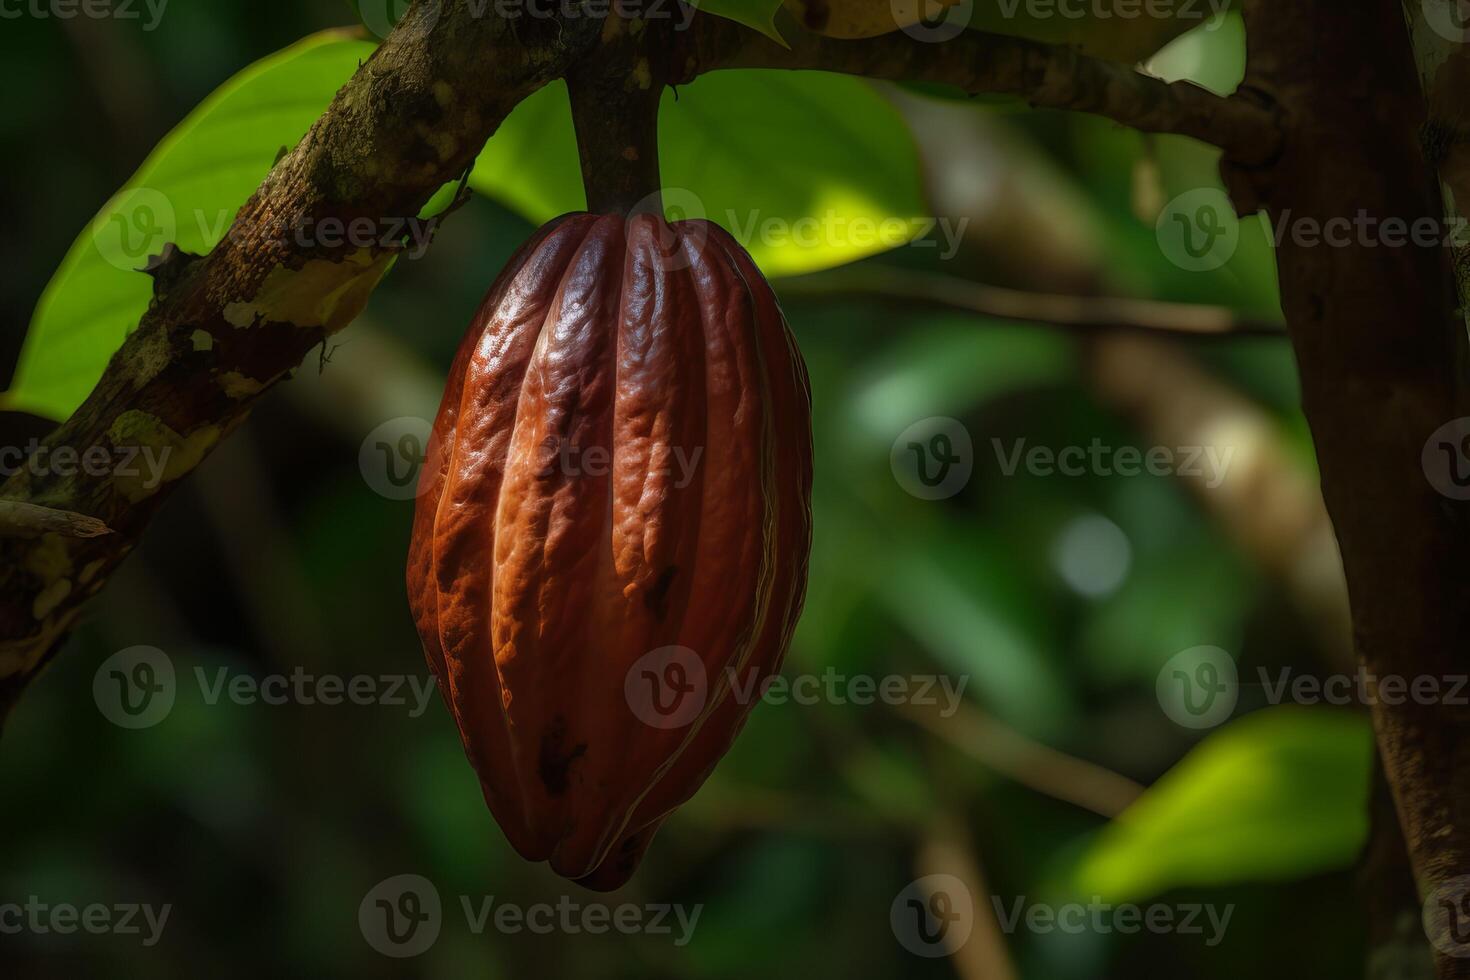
(187, 192)
(954, 363)
(956, 598)
(1279, 794)
(1094, 29)
(807, 170)
(1213, 55)
(759, 15)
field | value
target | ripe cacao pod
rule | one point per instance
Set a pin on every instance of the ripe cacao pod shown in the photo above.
(614, 508)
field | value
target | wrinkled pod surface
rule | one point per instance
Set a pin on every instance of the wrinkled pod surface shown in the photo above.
(610, 545)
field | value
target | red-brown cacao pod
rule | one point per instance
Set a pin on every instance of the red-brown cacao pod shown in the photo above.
(614, 509)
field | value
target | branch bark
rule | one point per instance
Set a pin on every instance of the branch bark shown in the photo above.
(1382, 357)
(1245, 125)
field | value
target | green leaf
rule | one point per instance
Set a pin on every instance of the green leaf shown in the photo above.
(1279, 794)
(758, 15)
(187, 192)
(807, 170)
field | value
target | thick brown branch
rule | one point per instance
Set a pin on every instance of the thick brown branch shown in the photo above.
(1382, 355)
(1046, 76)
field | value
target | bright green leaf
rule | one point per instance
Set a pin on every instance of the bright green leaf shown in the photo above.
(187, 192)
(807, 170)
(1279, 794)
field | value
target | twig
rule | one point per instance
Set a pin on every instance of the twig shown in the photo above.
(1091, 312)
(1044, 769)
(23, 520)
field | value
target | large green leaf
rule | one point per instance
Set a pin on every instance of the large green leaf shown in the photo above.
(187, 192)
(804, 168)
(1279, 794)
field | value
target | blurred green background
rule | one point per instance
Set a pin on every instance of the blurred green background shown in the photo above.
(1056, 600)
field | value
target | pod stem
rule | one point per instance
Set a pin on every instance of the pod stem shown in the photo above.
(615, 97)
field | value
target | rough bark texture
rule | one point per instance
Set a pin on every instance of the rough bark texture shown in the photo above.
(1381, 355)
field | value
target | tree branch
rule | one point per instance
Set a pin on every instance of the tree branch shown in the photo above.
(1245, 125)
(1382, 355)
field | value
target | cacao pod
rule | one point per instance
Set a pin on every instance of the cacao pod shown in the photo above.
(614, 508)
